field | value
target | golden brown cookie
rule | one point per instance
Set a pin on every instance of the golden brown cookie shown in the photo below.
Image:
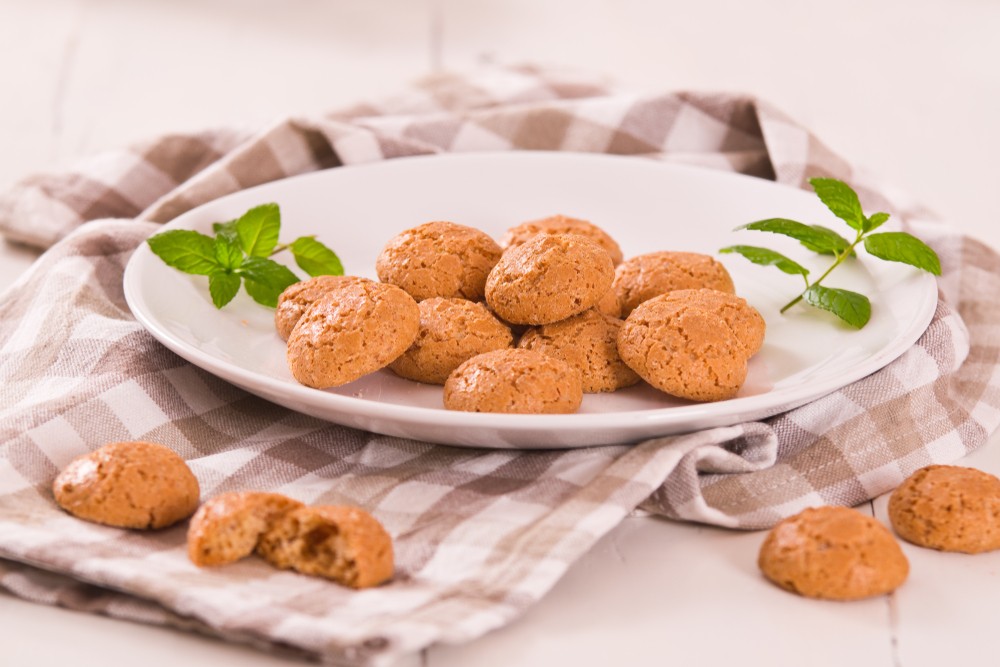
(645, 276)
(835, 553)
(128, 485)
(514, 380)
(355, 330)
(451, 331)
(608, 304)
(589, 343)
(549, 278)
(742, 318)
(561, 224)
(439, 259)
(297, 298)
(950, 508)
(228, 527)
(686, 352)
(345, 544)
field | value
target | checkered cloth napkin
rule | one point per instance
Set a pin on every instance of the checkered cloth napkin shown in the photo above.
(480, 535)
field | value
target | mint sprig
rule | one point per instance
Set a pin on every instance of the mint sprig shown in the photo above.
(240, 254)
(851, 307)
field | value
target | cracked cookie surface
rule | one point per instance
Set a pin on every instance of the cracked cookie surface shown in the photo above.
(128, 485)
(356, 330)
(744, 320)
(589, 343)
(451, 332)
(685, 351)
(949, 508)
(549, 278)
(835, 553)
(514, 381)
(562, 224)
(439, 259)
(297, 298)
(643, 277)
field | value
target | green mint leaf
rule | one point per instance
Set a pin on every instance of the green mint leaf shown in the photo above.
(186, 250)
(258, 229)
(766, 257)
(227, 229)
(853, 308)
(903, 247)
(265, 295)
(841, 200)
(315, 258)
(265, 279)
(814, 237)
(228, 251)
(875, 220)
(223, 287)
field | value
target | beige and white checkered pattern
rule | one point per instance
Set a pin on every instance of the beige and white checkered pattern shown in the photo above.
(480, 534)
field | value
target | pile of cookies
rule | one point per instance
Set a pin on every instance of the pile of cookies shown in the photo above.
(526, 327)
(144, 485)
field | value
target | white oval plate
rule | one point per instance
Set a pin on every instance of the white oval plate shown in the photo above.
(646, 205)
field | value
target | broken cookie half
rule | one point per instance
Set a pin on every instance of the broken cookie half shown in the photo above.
(345, 544)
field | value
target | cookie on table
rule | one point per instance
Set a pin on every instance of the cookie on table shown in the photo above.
(834, 553)
(128, 485)
(688, 352)
(515, 381)
(561, 224)
(451, 331)
(439, 259)
(228, 527)
(589, 343)
(296, 299)
(949, 508)
(549, 278)
(355, 330)
(645, 276)
(345, 544)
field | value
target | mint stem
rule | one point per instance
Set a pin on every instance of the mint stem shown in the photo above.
(840, 259)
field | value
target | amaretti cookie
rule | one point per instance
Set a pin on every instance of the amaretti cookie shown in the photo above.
(950, 508)
(228, 527)
(549, 278)
(688, 352)
(589, 343)
(514, 380)
(355, 330)
(561, 224)
(645, 276)
(451, 331)
(297, 298)
(439, 259)
(128, 485)
(835, 553)
(345, 544)
(744, 320)
(608, 304)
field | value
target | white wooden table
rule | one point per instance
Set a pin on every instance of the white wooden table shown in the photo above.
(908, 90)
